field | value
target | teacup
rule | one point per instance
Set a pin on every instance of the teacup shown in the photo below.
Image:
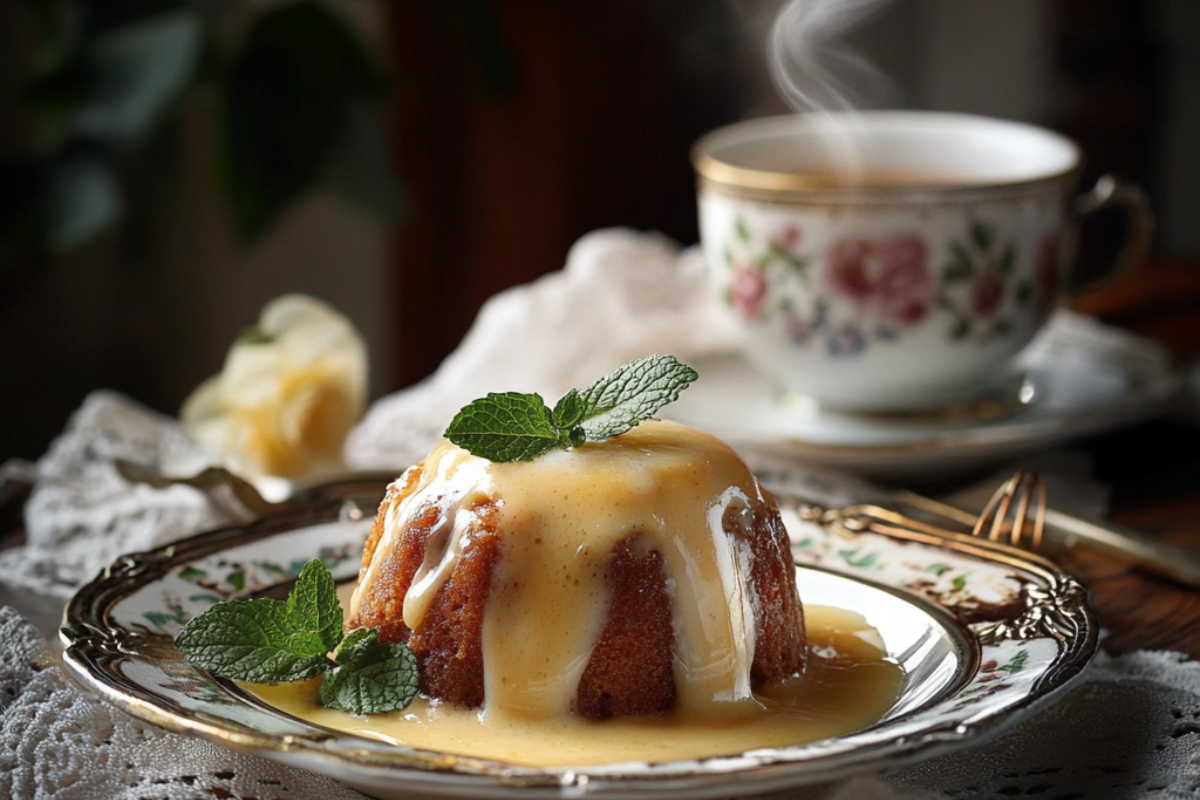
(894, 261)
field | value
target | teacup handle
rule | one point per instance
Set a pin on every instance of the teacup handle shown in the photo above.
(1111, 191)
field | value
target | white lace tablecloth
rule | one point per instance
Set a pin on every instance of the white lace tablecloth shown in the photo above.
(1127, 729)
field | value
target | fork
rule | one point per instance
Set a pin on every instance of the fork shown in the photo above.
(1024, 489)
(1007, 512)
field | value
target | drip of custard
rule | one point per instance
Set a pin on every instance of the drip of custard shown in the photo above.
(679, 490)
(848, 684)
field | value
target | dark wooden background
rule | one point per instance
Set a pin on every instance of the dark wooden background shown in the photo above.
(584, 121)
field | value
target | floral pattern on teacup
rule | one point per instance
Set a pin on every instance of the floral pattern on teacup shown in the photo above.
(753, 272)
(862, 289)
(980, 291)
(889, 278)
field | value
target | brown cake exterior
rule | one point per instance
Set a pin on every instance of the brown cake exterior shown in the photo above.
(633, 667)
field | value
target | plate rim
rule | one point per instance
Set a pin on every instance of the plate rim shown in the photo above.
(94, 647)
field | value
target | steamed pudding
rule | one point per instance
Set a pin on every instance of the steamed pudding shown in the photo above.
(645, 574)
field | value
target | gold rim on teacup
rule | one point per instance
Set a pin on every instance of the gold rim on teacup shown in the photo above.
(718, 171)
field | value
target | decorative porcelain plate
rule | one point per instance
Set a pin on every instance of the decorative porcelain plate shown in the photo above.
(983, 632)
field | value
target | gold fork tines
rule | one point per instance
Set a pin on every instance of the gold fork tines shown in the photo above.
(1007, 513)
(1066, 531)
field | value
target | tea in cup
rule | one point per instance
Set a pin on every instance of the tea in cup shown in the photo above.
(893, 261)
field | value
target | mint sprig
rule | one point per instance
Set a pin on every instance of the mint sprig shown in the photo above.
(520, 427)
(280, 641)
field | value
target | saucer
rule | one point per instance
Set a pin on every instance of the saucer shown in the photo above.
(1085, 378)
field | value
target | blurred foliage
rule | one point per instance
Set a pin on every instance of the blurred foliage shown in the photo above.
(301, 102)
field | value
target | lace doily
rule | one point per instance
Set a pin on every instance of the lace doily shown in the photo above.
(1127, 730)
(57, 742)
(1130, 729)
(82, 514)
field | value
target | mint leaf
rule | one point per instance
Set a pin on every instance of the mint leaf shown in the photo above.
(354, 644)
(567, 414)
(251, 640)
(569, 411)
(519, 427)
(373, 677)
(632, 394)
(315, 608)
(269, 641)
(273, 641)
(505, 427)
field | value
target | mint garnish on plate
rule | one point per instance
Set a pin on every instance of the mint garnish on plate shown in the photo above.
(373, 676)
(520, 427)
(279, 641)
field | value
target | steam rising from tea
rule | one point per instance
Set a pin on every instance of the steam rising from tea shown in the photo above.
(816, 72)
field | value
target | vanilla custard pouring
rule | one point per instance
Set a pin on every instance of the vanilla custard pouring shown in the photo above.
(561, 515)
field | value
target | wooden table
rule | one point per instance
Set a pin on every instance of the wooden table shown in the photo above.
(1153, 469)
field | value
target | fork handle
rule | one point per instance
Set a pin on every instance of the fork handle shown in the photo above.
(1151, 555)
(1113, 539)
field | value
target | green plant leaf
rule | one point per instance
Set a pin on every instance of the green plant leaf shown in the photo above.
(315, 607)
(269, 641)
(505, 427)
(373, 677)
(1017, 664)
(960, 267)
(354, 644)
(981, 235)
(82, 200)
(1007, 259)
(741, 229)
(288, 97)
(252, 335)
(251, 640)
(631, 394)
(569, 410)
(135, 72)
